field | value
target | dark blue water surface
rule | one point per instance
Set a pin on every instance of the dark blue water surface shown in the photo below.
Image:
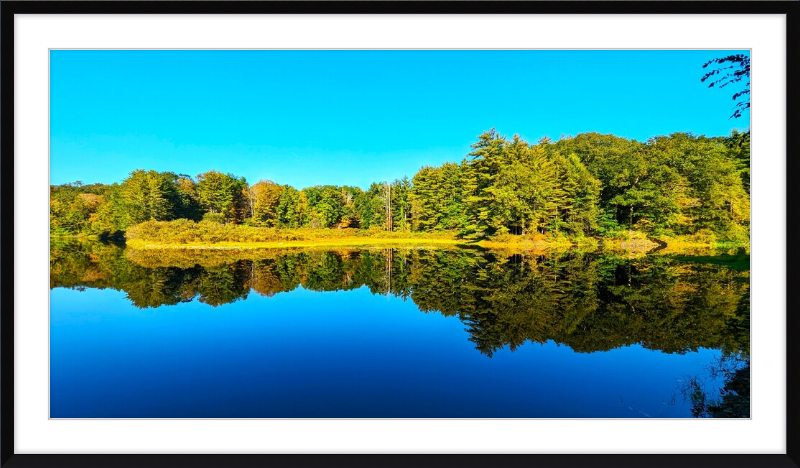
(309, 348)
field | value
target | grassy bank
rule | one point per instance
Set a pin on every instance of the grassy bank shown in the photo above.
(68, 236)
(205, 235)
(702, 242)
(310, 243)
(183, 234)
(188, 235)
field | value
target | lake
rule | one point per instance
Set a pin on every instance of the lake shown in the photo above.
(392, 333)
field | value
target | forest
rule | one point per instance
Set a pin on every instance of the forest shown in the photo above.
(589, 185)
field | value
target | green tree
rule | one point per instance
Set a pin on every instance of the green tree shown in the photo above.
(639, 186)
(738, 144)
(711, 194)
(223, 194)
(187, 203)
(480, 169)
(436, 198)
(580, 212)
(401, 206)
(350, 214)
(369, 206)
(525, 196)
(145, 195)
(78, 209)
(326, 205)
(292, 209)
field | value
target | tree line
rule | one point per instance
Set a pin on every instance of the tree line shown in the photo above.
(587, 185)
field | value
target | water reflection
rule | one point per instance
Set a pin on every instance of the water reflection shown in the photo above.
(589, 303)
(730, 399)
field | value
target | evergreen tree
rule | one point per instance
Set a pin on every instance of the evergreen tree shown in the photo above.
(480, 171)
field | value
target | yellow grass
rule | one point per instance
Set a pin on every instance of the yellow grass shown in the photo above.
(418, 242)
(326, 242)
(628, 241)
(686, 245)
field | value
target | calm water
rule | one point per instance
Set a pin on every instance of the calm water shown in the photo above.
(387, 333)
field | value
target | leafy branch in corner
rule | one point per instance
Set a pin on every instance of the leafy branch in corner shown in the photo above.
(733, 69)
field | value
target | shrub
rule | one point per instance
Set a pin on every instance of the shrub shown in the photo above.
(703, 236)
(214, 217)
(183, 231)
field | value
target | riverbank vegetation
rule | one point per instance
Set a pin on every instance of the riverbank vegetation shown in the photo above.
(184, 233)
(676, 189)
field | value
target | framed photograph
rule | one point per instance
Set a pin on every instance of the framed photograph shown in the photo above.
(383, 234)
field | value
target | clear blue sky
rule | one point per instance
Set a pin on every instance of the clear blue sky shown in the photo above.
(352, 117)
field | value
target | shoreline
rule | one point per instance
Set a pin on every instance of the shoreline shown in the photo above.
(186, 235)
(636, 245)
(335, 242)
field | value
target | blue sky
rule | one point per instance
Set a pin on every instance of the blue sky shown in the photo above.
(353, 117)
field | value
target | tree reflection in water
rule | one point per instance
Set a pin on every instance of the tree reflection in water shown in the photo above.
(732, 400)
(587, 302)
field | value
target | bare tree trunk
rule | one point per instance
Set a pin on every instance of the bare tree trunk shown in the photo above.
(388, 206)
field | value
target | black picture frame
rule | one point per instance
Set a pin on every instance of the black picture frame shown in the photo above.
(8, 458)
